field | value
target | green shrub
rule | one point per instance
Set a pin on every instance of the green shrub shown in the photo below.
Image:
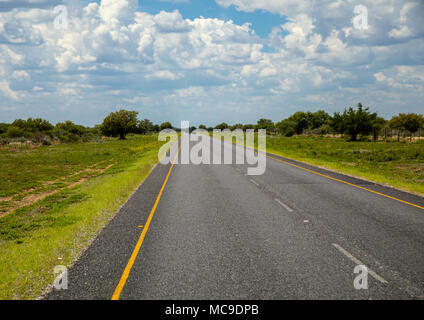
(14, 132)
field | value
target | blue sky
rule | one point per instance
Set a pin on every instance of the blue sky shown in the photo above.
(262, 21)
(209, 61)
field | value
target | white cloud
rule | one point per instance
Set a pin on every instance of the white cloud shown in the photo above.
(171, 22)
(402, 32)
(111, 52)
(118, 11)
(403, 78)
(21, 75)
(268, 72)
(5, 89)
(163, 74)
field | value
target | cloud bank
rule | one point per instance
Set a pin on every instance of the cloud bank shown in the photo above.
(207, 69)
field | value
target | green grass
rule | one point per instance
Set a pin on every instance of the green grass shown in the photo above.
(398, 164)
(23, 169)
(53, 231)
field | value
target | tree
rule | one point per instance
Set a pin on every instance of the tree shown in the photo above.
(39, 124)
(4, 127)
(165, 125)
(222, 126)
(317, 119)
(236, 126)
(248, 127)
(411, 122)
(70, 127)
(286, 127)
(336, 123)
(145, 126)
(19, 123)
(266, 124)
(120, 124)
(33, 125)
(203, 127)
(301, 119)
(69, 132)
(354, 122)
(14, 132)
(377, 125)
(141, 129)
(396, 123)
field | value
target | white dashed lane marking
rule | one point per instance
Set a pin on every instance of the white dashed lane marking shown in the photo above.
(284, 205)
(359, 262)
(254, 182)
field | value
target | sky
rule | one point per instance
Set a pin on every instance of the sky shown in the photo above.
(208, 61)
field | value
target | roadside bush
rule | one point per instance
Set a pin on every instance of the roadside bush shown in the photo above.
(165, 125)
(354, 122)
(222, 126)
(145, 126)
(71, 128)
(14, 132)
(286, 127)
(33, 125)
(3, 141)
(120, 124)
(37, 137)
(324, 129)
(410, 122)
(236, 126)
(266, 124)
(4, 127)
(46, 141)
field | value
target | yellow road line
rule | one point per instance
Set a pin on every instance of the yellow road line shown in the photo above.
(331, 178)
(130, 263)
(345, 182)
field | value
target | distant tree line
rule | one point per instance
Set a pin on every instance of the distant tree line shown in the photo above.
(116, 124)
(42, 131)
(353, 123)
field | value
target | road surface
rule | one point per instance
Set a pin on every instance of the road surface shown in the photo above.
(295, 232)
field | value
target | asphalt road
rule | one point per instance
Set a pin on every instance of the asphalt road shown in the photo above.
(290, 233)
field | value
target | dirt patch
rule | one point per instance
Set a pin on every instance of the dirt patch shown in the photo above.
(351, 164)
(89, 169)
(33, 198)
(414, 167)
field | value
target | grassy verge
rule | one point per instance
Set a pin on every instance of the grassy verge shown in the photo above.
(53, 231)
(398, 164)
